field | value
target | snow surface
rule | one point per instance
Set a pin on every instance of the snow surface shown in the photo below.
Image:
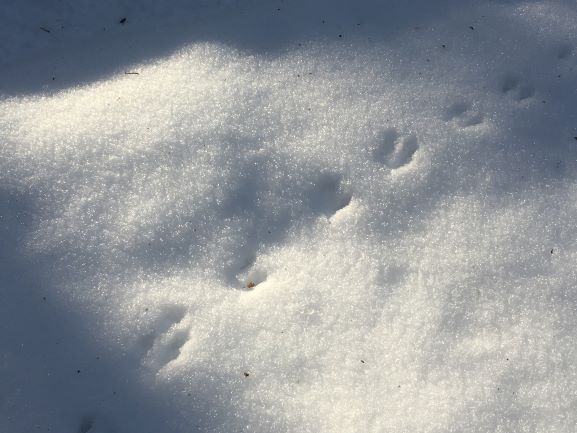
(288, 216)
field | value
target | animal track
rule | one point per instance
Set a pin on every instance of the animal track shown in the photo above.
(250, 277)
(94, 424)
(564, 51)
(163, 344)
(250, 274)
(394, 151)
(463, 115)
(329, 194)
(514, 87)
(326, 194)
(86, 424)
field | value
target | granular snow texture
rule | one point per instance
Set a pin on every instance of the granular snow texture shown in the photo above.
(288, 216)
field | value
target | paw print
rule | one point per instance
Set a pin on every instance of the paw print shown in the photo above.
(515, 88)
(463, 115)
(165, 340)
(394, 151)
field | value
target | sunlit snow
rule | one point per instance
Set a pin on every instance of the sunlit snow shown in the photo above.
(288, 216)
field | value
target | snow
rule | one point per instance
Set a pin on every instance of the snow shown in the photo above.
(288, 216)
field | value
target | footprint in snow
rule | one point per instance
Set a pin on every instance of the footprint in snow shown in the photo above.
(86, 424)
(250, 274)
(395, 151)
(249, 279)
(90, 424)
(329, 194)
(564, 51)
(515, 88)
(168, 335)
(463, 115)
